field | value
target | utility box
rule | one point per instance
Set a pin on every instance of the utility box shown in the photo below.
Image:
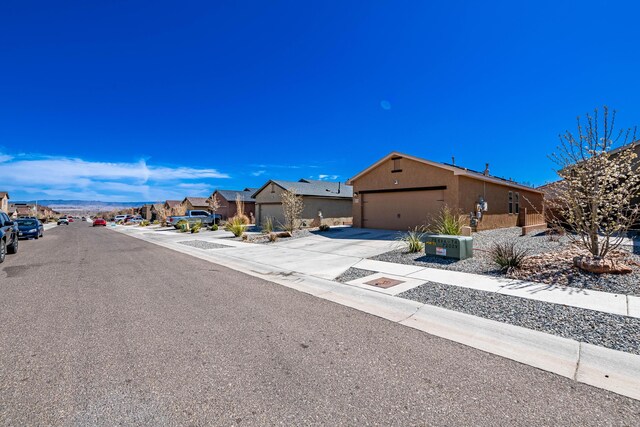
(458, 247)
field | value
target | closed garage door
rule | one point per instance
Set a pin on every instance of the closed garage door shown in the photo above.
(400, 210)
(273, 211)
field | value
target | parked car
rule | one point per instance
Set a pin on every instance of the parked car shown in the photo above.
(8, 236)
(194, 216)
(120, 218)
(133, 219)
(84, 218)
(70, 220)
(99, 221)
(63, 221)
(30, 228)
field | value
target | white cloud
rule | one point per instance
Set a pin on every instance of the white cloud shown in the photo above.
(323, 177)
(61, 177)
(258, 173)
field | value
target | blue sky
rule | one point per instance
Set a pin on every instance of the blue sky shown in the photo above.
(129, 101)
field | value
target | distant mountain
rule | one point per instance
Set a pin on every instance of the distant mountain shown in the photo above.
(84, 205)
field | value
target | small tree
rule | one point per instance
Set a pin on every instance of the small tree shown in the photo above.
(292, 206)
(214, 203)
(161, 214)
(595, 198)
(179, 210)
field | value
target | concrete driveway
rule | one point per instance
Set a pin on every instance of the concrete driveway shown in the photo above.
(321, 254)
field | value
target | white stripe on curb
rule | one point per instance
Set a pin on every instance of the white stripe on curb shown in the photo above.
(600, 367)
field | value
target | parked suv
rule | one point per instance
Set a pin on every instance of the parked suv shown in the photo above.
(8, 236)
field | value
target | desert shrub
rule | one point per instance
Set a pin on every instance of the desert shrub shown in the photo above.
(267, 225)
(214, 227)
(156, 222)
(508, 255)
(272, 237)
(324, 227)
(144, 223)
(195, 228)
(236, 225)
(413, 239)
(448, 221)
(245, 237)
(183, 225)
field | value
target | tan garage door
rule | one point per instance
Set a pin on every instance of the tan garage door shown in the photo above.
(270, 211)
(400, 210)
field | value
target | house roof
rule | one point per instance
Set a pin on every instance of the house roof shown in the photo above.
(173, 203)
(308, 187)
(197, 201)
(157, 206)
(457, 170)
(4, 194)
(230, 195)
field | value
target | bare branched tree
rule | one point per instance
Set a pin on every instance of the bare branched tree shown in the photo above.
(292, 206)
(597, 196)
(214, 203)
(240, 210)
(179, 210)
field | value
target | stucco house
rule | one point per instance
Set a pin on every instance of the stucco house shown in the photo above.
(324, 202)
(4, 201)
(199, 203)
(170, 204)
(400, 192)
(227, 201)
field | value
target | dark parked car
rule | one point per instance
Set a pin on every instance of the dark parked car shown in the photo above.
(30, 228)
(8, 236)
(99, 221)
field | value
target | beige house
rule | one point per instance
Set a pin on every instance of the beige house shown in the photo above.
(227, 201)
(170, 204)
(197, 203)
(4, 201)
(400, 192)
(324, 202)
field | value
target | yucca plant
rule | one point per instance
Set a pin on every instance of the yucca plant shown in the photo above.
(448, 221)
(267, 225)
(413, 239)
(144, 223)
(183, 225)
(195, 228)
(508, 255)
(236, 225)
(214, 227)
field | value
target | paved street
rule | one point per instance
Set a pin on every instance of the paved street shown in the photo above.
(98, 328)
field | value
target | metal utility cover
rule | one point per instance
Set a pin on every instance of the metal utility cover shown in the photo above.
(383, 282)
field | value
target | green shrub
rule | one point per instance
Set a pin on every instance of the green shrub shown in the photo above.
(195, 228)
(507, 255)
(236, 225)
(183, 225)
(144, 223)
(413, 239)
(214, 227)
(448, 221)
(324, 227)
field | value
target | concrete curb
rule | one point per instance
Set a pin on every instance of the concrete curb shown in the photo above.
(600, 367)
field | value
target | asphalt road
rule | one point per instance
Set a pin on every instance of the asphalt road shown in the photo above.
(97, 328)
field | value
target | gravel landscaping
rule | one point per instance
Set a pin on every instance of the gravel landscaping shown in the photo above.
(593, 327)
(353, 274)
(559, 272)
(203, 244)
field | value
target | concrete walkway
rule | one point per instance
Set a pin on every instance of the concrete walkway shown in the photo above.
(327, 255)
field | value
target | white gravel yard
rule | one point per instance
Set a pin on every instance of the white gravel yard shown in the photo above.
(563, 273)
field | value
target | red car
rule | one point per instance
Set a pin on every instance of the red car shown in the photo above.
(99, 221)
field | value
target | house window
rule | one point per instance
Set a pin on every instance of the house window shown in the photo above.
(517, 203)
(397, 167)
(510, 202)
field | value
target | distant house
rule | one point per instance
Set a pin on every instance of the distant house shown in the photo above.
(4, 201)
(146, 212)
(155, 208)
(198, 203)
(170, 204)
(324, 202)
(227, 201)
(400, 192)
(24, 210)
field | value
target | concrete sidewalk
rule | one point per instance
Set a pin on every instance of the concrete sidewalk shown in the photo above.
(326, 257)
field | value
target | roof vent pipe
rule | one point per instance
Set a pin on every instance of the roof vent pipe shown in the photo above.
(339, 187)
(486, 169)
(453, 160)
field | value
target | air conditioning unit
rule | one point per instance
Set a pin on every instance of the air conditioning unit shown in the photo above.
(458, 247)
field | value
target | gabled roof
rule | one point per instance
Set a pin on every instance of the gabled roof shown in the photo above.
(173, 203)
(4, 194)
(230, 195)
(197, 201)
(457, 170)
(157, 206)
(308, 187)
